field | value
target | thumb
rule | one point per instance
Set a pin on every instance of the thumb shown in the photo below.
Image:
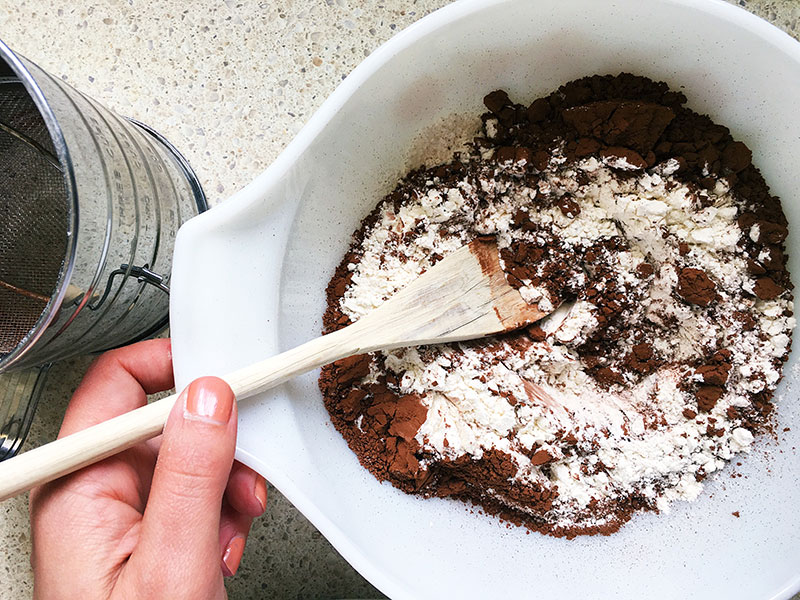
(180, 527)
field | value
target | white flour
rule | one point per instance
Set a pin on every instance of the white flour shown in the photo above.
(630, 437)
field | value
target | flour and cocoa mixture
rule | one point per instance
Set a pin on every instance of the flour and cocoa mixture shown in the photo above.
(648, 225)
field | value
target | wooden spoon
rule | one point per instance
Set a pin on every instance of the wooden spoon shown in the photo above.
(464, 296)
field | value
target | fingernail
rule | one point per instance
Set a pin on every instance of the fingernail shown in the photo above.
(209, 399)
(261, 492)
(232, 556)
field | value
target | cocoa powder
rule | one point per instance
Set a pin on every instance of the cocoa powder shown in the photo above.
(696, 287)
(630, 124)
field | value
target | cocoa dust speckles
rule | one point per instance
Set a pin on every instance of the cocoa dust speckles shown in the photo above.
(647, 230)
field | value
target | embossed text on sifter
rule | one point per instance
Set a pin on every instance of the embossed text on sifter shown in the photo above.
(90, 204)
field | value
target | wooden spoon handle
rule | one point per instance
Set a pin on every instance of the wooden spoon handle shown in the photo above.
(83, 448)
(68, 454)
(464, 296)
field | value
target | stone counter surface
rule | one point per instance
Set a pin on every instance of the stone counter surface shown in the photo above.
(229, 82)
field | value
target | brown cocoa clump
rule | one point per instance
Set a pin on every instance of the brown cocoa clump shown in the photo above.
(522, 260)
(736, 157)
(497, 101)
(409, 416)
(616, 154)
(351, 405)
(766, 289)
(348, 370)
(608, 376)
(771, 233)
(633, 125)
(696, 287)
(715, 374)
(707, 396)
(513, 154)
(402, 462)
(642, 358)
(755, 268)
(536, 333)
(569, 207)
(645, 270)
(541, 457)
(775, 259)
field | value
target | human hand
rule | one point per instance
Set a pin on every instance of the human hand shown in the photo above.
(164, 519)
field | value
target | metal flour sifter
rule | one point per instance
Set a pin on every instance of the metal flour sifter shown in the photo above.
(90, 204)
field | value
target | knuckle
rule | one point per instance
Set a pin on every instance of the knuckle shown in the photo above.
(107, 360)
(190, 480)
(191, 475)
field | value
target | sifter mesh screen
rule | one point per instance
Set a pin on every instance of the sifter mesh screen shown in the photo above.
(33, 215)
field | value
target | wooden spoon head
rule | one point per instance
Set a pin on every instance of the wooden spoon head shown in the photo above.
(464, 296)
(510, 307)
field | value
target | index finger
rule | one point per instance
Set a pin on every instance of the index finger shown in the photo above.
(118, 382)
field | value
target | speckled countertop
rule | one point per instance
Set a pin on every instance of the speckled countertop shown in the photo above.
(229, 82)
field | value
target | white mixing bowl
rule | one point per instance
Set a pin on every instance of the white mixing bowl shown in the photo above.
(249, 278)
